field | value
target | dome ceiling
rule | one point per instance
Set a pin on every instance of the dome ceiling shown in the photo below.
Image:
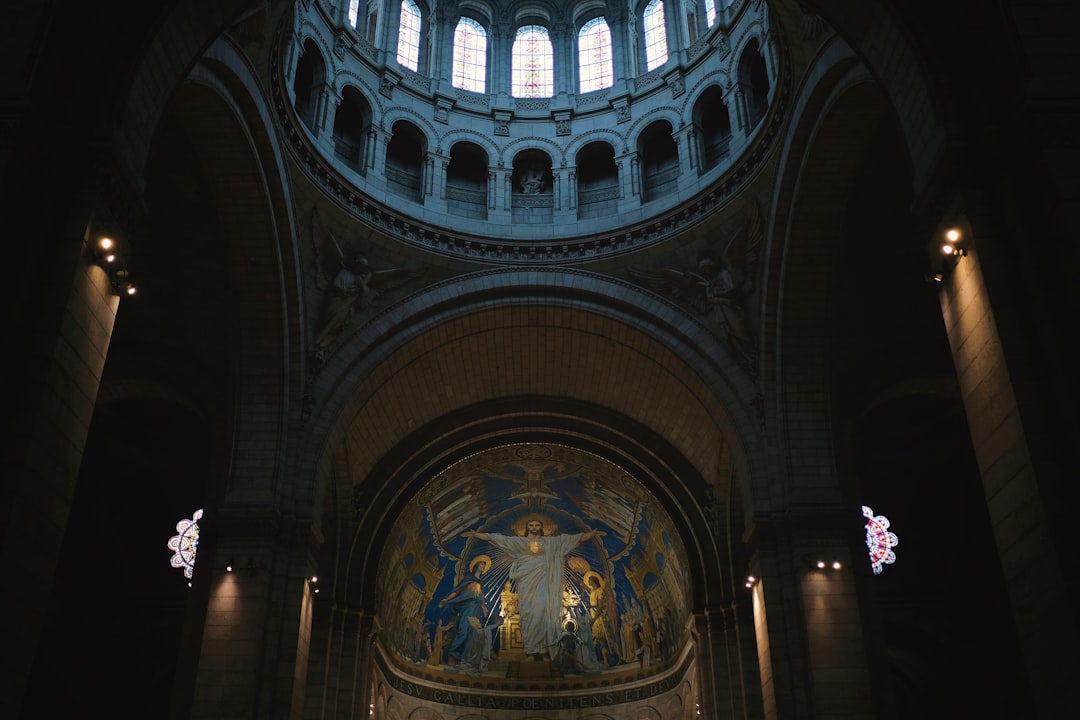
(469, 589)
(571, 177)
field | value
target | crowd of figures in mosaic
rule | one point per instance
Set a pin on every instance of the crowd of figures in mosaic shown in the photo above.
(534, 554)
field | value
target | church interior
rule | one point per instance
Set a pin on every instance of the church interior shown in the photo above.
(536, 360)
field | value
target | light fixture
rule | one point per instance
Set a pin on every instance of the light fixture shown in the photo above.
(111, 260)
(945, 254)
(313, 583)
(229, 566)
(750, 581)
(833, 564)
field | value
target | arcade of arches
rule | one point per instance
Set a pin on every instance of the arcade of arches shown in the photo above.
(525, 359)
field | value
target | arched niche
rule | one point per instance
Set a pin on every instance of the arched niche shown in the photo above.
(352, 124)
(659, 161)
(467, 181)
(310, 77)
(597, 180)
(405, 155)
(532, 195)
(754, 80)
(713, 124)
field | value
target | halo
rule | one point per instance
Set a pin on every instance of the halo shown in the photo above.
(518, 526)
(486, 559)
(593, 574)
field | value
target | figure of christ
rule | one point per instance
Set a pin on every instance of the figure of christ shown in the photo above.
(537, 572)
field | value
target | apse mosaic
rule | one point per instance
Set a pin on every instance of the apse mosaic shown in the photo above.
(534, 560)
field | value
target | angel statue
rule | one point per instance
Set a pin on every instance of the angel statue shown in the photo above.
(713, 291)
(354, 287)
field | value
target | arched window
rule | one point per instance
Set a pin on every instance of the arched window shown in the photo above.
(532, 67)
(655, 35)
(354, 12)
(710, 12)
(408, 47)
(470, 56)
(594, 56)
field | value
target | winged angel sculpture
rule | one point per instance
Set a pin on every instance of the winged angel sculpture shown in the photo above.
(717, 288)
(350, 287)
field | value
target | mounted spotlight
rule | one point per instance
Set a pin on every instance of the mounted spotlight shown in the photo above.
(108, 257)
(945, 254)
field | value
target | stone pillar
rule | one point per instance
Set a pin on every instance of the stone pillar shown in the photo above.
(292, 50)
(501, 47)
(562, 45)
(742, 113)
(255, 641)
(53, 397)
(427, 180)
(346, 682)
(319, 124)
(1022, 501)
(621, 53)
(442, 47)
(329, 101)
(811, 649)
(371, 145)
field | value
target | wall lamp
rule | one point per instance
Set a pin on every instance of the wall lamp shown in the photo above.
(945, 254)
(313, 583)
(834, 565)
(751, 581)
(252, 566)
(108, 257)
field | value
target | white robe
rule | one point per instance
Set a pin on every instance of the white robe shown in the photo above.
(537, 572)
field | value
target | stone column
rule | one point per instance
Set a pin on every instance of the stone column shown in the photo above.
(1029, 503)
(254, 653)
(811, 649)
(54, 398)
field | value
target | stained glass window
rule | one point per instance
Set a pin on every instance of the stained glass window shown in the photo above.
(710, 12)
(532, 67)
(408, 48)
(470, 56)
(880, 541)
(594, 56)
(186, 543)
(655, 35)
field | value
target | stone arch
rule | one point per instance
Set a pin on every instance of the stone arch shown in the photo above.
(901, 71)
(424, 352)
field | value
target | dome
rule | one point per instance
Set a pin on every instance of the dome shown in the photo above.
(517, 130)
